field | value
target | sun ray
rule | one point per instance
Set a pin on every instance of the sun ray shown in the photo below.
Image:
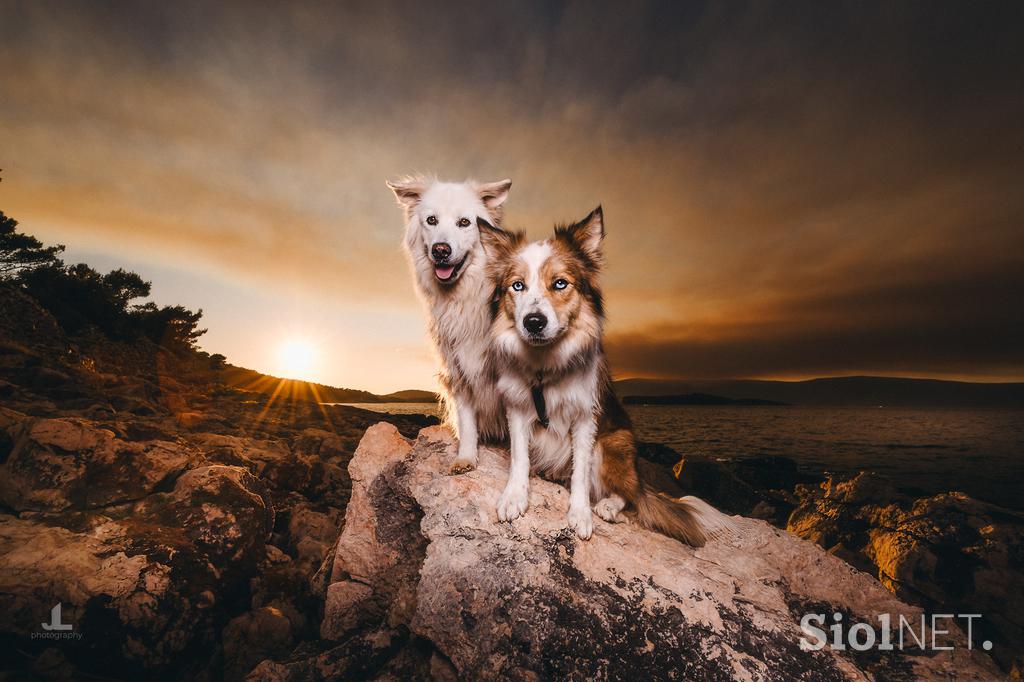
(323, 409)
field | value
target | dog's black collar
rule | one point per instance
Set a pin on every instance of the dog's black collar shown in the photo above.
(537, 391)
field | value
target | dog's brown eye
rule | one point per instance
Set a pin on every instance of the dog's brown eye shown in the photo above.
(518, 286)
(463, 222)
(431, 220)
(560, 284)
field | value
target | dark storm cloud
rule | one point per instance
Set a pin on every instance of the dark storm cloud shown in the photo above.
(791, 189)
(927, 326)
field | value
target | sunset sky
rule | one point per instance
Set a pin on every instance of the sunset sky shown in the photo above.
(791, 190)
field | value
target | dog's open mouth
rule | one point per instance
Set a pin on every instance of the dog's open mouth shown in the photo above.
(447, 272)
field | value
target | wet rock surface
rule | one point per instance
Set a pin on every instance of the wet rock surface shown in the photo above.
(427, 580)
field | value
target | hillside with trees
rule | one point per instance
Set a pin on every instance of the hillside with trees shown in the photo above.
(108, 314)
(80, 298)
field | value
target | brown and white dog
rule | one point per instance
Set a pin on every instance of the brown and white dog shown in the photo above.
(564, 419)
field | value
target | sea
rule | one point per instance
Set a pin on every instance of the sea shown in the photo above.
(923, 451)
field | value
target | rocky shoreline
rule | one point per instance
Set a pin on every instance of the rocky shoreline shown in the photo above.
(192, 530)
(180, 523)
(160, 550)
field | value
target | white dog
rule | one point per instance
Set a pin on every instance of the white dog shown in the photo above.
(449, 265)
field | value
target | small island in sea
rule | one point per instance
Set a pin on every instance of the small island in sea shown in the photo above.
(696, 399)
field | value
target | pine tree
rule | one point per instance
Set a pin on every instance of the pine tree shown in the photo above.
(20, 252)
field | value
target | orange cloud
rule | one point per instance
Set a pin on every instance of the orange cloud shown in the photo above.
(767, 195)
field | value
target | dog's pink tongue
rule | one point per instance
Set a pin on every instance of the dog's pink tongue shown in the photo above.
(444, 271)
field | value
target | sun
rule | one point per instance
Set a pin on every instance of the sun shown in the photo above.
(297, 359)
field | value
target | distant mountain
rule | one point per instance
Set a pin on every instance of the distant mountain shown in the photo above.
(835, 392)
(693, 399)
(853, 391)
(410, 396)
(856, 391)
(251, 380)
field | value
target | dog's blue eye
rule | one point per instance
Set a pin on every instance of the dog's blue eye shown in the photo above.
(518, 286)
(560, 284)
(431, 220)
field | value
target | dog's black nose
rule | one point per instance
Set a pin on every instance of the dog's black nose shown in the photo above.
(440, 251)
(535, 323)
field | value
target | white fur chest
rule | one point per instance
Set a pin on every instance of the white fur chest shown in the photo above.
(459, 323)
(567, 400)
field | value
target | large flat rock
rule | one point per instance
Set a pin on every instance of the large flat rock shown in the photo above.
(423, 551)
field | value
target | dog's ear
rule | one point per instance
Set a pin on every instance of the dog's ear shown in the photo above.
(497, 242)
(408, 192)
(493, 195)
(586, 235)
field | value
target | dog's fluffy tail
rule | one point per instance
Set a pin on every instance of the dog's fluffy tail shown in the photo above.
(687, 519)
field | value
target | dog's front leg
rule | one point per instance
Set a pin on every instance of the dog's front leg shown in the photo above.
(580, 518)
(466, 416)
(516, 497)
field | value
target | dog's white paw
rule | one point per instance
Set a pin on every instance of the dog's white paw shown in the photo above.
(582, 521)
(513, 502)
(466, 460)
(610, 509)
(462, 464)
